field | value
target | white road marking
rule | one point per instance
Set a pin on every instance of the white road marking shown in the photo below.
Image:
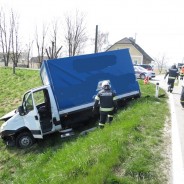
(177, 162)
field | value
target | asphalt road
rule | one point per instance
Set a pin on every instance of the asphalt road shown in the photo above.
(177, 124)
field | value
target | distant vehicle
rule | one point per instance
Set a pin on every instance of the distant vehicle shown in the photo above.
(141, 72)
(146, 66)
(180, 65)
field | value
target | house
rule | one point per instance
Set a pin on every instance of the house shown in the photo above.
(35, 61)
(138, 55)
(22, 60)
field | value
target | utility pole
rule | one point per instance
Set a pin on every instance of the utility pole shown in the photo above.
(96, 39)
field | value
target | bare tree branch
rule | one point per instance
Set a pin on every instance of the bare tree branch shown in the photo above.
(75, 35)
(161, 63)
(28, 50)
(41, 43)
(54, 50)
(5, 38)
(102, 41)
(16, 52)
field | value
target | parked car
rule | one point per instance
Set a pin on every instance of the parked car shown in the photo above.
(146, 66)
(180, 65)
(141, 72)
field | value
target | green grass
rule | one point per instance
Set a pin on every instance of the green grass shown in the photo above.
(128, 151)
(12, 87)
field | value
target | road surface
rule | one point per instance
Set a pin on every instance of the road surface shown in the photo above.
(177, 124)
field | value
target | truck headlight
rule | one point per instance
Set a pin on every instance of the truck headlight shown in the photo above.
(3, 125)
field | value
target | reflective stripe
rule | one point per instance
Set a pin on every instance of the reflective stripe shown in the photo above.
(171, 77)
(101, 124)
(97, 98)
(106, 109)
(110, 116)
(115, 98)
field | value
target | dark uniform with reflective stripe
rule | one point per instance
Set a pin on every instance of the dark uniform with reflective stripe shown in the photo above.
(108, 105)
(173, 74)
(182, 96)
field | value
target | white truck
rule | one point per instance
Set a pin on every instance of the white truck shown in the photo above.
(66, 97)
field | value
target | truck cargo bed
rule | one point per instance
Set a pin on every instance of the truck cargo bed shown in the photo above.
(74, 79)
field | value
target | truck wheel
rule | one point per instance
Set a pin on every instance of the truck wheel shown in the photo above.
(142, 76)
(24, 140)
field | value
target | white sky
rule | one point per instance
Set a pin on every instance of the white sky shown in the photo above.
(157, 24)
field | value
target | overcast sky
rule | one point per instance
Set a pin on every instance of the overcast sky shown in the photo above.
(157, 24)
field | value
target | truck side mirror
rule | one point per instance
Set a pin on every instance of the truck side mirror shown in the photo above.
(21, 111)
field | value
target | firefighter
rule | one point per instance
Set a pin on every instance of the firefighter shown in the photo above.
(146, 80)
(173, 74)
(182, 72)
(182, 95)
(108, 103)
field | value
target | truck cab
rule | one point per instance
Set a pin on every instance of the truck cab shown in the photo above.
(37, 116)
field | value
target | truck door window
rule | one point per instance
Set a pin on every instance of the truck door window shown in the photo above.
(39, 98)
(28, 103)
(42, 102)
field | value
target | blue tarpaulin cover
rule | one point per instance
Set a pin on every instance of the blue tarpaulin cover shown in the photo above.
(74, 79)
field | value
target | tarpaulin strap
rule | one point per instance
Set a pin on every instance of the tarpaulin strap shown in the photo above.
(106, 109)
(110, 115)
(171, 77)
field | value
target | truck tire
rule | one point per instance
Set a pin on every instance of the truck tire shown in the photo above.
(24, 140)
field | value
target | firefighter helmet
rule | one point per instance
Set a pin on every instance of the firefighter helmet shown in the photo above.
(106, 84)
(173, 66)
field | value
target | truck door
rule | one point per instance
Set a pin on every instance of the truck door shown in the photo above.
(31, 115)
(43, 106)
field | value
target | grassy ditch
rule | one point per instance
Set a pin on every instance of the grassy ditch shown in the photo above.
(130, 150)
(13, 87)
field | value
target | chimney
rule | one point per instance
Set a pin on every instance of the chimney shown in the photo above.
(131, 39)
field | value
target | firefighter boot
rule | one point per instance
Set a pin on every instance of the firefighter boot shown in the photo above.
(101, 125)
(169, 88)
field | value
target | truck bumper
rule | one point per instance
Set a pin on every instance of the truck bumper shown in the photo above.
(7, 133)
(8, 137)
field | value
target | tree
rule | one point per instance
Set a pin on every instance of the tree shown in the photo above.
(5, 38)
(53, 53)
(40, 44)
(15, 40)
(102, 41)
(161, 63)
(10, 39)
(75, 35)
(28, 49)
(53, 50)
